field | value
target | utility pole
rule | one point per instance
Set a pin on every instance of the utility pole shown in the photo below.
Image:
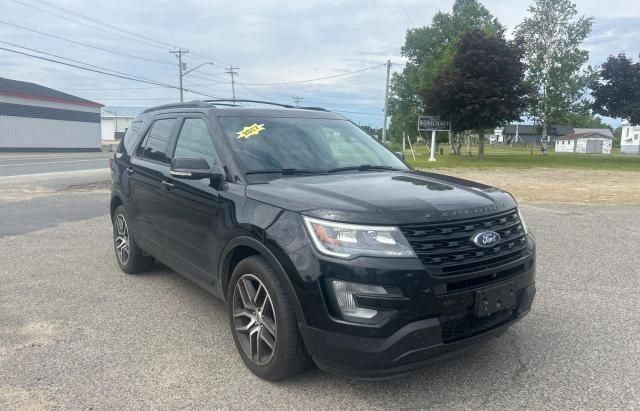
(297, 100)
(386, 104)
(231, 71)
(181, 66)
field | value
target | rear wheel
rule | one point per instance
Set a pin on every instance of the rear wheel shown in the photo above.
(263, 322)
(130, 257)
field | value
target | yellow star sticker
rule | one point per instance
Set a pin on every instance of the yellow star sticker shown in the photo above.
(251, 130)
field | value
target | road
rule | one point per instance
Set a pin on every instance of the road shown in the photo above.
(75, 332)
(18, 164)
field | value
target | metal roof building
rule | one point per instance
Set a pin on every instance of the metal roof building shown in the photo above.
(38, 118)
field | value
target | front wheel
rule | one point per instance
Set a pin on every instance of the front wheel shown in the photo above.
(263, 322)
(130, 257)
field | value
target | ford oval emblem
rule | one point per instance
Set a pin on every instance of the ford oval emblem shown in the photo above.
(486, 239)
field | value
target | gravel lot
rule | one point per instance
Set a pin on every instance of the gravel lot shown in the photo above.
(554, 185)
(76, 332)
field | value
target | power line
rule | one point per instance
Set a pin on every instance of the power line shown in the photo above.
(135, 36)
(139, 88)
(384, 16)
(83, 44)
(135, 99)
(119, 29)
(88, 25)
(140, 80)
(405, 15)
(315, 79)
(209, 78)
(65, 58)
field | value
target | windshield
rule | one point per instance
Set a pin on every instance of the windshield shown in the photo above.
(274, 143)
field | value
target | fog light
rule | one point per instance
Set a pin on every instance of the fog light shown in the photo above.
(345, 291)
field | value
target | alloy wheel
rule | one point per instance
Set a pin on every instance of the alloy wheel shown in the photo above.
(122, 239)
(254, 319)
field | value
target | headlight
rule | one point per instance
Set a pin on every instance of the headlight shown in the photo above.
(524, 224)
(350, 240)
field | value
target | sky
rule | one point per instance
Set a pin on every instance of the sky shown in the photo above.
(270, 41)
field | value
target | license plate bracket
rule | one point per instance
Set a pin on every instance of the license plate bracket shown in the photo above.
(493, 299)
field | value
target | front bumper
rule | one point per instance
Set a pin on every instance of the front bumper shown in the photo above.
(412, 346)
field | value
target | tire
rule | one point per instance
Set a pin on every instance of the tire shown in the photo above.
(271, 348)
(130, 257)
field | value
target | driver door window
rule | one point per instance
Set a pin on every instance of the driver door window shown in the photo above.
(194, 141)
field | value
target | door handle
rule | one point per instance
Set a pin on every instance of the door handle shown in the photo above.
(167, 185)
(129, 170)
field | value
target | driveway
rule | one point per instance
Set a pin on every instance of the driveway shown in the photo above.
(76, 332)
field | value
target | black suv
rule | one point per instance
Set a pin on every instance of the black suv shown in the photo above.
(325, 245)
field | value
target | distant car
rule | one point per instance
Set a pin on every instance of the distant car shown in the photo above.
(324, 244)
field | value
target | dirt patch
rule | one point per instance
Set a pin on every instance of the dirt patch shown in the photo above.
(557, 185)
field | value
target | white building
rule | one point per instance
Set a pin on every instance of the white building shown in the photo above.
(585, 142)
(497, 136)
(116, 120)
(36, 118)
(630, 139)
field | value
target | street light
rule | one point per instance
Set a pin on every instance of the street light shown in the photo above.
(184, 73)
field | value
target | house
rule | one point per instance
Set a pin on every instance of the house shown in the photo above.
(529, 134)
(630, 139)
(114, 121)
(497, 136)
(590, 142)
(37, 118)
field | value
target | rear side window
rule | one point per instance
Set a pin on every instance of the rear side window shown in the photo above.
(154, 146)
(131, 137)
(194, 141)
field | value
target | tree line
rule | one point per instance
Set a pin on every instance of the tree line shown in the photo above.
(462, 68)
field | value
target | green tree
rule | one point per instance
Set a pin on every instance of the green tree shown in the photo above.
(430, 50)
(483, 88)
(586, 121)
(617, 91)
(553, 36)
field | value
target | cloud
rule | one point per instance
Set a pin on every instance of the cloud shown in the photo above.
(271, 41)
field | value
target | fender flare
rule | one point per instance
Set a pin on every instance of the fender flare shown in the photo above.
(262, 250)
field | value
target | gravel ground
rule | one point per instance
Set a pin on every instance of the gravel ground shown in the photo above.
(75, 332)
(553, 185)
(21, 188)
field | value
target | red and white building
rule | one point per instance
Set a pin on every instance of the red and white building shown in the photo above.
(38, 118)
(588, 142)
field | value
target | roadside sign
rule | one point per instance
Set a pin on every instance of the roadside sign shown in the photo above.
(432, 123)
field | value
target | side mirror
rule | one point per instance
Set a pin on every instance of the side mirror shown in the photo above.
(400, 155)
(197, 169)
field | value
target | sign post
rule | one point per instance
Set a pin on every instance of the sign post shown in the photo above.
(433, 124)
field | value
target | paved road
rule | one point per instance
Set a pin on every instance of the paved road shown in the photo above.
(75, 332)
(16, 164)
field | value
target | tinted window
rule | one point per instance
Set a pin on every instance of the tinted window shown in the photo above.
(130, 137)
(154, 147)
(194, 141)
(303, 143)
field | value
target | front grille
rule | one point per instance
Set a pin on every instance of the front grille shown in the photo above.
(469, 325)
(447, 248)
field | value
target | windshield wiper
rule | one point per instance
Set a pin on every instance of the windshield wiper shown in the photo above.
(284, 171)
(362, 167)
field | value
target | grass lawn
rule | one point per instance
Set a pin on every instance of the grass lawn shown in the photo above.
(521, 157)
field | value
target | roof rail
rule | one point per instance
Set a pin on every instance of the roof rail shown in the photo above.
(188, 104)
(250, 101)
(314, 108)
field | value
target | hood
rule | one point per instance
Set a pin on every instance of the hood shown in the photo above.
(388, 198)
